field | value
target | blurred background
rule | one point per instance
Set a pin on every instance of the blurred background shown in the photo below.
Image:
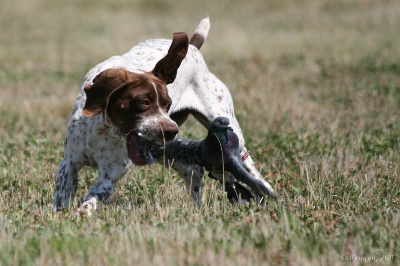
(271, 54)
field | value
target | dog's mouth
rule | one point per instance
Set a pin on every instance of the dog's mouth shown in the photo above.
(139, 148)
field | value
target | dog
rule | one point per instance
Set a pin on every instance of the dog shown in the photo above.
(131, 102)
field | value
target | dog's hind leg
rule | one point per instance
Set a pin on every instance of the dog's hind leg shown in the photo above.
(193, 176)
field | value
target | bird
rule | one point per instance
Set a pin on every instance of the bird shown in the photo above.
(218, 153)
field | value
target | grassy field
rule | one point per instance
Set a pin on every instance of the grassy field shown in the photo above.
(316, 86)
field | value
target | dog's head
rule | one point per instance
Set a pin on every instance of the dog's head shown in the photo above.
(137, 104)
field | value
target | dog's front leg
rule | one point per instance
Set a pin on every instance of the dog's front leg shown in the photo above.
(66, 183)
(103, 189)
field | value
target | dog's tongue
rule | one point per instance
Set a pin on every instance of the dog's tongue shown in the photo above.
(134, 151)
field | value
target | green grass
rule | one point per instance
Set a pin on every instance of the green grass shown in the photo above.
(316, 86)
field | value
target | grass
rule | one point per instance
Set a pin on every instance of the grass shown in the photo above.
(316, 86)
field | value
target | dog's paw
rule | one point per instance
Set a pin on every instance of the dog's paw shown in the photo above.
(88, 207)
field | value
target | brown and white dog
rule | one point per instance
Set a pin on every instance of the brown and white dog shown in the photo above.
(129, 102)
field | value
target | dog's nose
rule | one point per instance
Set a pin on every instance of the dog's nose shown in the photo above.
(170, 131)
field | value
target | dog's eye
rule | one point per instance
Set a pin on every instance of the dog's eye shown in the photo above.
(168, 107)
(139, 105)
(144, 102)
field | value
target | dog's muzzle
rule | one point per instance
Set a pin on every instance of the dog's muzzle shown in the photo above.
(139, 149)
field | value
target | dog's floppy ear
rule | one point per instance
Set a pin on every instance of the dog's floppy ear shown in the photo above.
(103, 85)
(167, 67)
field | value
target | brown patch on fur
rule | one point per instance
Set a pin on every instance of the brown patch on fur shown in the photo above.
(197, 40)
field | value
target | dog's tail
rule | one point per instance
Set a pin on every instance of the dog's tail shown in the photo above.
(200, 34)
